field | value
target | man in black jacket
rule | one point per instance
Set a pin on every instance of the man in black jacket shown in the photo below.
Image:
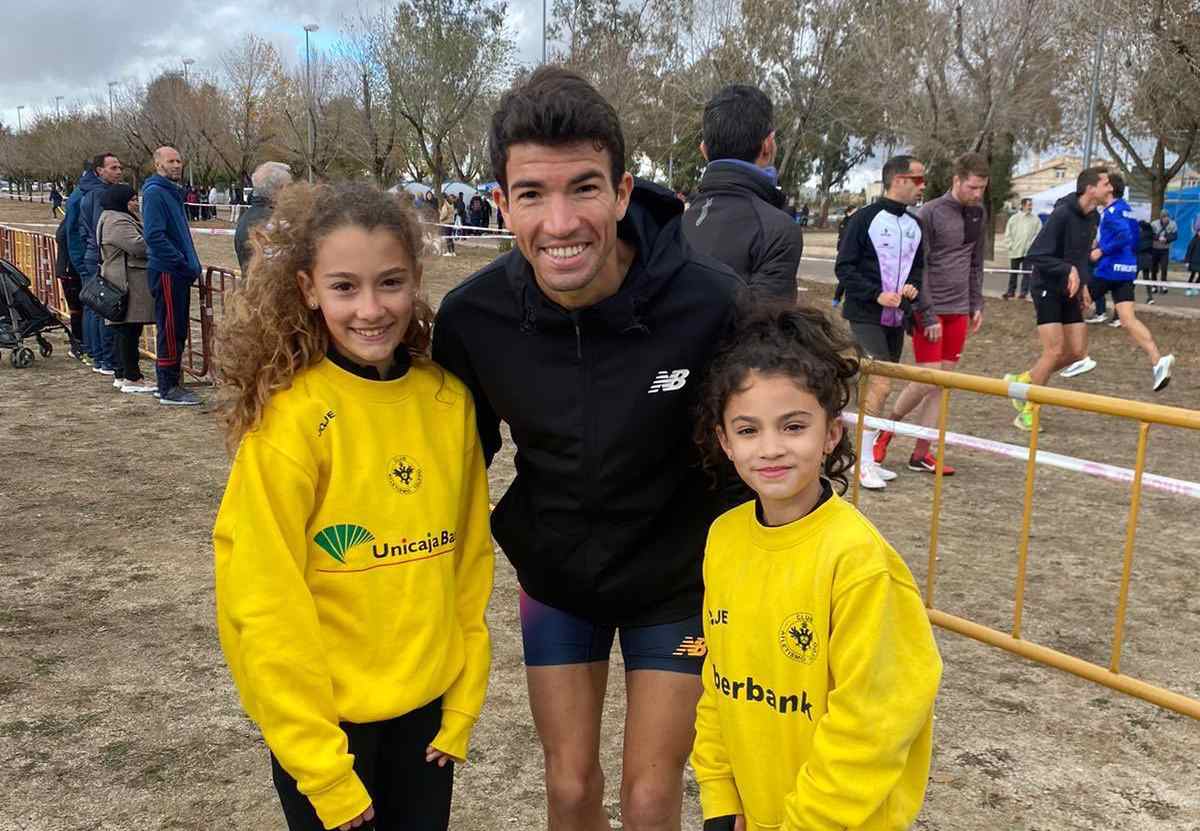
(737, 214)
(590, 339)
(1061, 261)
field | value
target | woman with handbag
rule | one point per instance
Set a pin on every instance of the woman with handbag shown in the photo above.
(123, 264)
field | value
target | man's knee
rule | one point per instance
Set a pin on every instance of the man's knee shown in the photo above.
(651, 801)
(573, 788)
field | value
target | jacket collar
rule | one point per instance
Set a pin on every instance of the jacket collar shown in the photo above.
(736, 175)
(401, 362)
(892, 206)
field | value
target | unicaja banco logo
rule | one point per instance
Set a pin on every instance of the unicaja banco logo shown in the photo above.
(797, 638)
(336, 540)
(403, 474)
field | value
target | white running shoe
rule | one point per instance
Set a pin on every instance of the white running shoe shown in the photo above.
(883, 473)
(139, 387)
(1162, 372)
(869, 479)
(118, 382)
(1079, 367)
(1096, 318)
(1115, 323)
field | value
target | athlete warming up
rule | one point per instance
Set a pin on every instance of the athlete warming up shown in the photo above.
(353, 555)
(821, 674)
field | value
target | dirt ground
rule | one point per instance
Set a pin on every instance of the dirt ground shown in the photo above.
(116, 710)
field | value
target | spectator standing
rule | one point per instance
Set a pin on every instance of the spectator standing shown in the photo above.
(192, 200)
(1165, 233)
(1145, 257)
(495, 198)
(460, 211)
(589, 339)
(108, 171)
(64, 271)
(950, 305)
(446, 219)
(485, 208)
(881, 263)
(737, 214)
(1193, 264)
(475, 215)
(1019, 233)
(268, 179)
(76, 246)
(172, 268)
(123, 263)
(840, 291)
(56, 200)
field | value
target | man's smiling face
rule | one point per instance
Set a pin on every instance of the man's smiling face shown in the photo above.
(563, 209)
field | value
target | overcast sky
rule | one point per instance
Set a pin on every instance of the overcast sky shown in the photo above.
(73, 48)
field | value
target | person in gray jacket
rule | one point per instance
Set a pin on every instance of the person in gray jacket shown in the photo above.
(123, 263)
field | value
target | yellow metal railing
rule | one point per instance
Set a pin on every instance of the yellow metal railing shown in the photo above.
(1144, 414)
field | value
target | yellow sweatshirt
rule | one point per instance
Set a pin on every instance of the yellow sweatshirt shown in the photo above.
(817, 710)
(353, 568)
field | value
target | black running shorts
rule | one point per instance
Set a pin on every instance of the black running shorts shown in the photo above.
(1053, 306)
(883, 343)
(1121, 291)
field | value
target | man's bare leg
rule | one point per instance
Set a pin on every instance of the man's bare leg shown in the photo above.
(567, 702)
(1138, 331)
(659, 730)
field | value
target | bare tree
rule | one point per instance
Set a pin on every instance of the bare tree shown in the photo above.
(442, 58)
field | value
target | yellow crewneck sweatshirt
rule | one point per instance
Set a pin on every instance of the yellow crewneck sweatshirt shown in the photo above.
(353, 568)
(817, 710)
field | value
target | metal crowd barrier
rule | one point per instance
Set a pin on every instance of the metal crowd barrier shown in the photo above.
(36, 253)
(1144, 414)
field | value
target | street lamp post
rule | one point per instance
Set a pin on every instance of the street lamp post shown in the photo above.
(1089, 142)
(111, 114)
(308, 28)
(19, 108)
(543, 31)
(186, 63)
(57, 106)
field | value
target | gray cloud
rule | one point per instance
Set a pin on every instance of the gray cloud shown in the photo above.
(73, 48)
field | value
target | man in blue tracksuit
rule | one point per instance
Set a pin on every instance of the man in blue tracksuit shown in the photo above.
(107, 169)
(1115, 256)
(171, 269)
(76, 245)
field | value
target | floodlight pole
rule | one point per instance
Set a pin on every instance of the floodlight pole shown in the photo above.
(188, 150)
(111, 117)
(1089, 144)
(19, 108)
(543, 32)
(309, 27)
(57, 106)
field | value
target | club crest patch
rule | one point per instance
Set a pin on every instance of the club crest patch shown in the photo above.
(404, 474)
(798, 639)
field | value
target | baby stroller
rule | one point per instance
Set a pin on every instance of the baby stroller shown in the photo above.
(23, 316)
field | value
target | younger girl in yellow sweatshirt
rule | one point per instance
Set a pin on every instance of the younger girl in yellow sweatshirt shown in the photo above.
(353, 554)
(821, 673)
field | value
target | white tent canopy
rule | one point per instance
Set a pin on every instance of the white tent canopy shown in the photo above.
(1043, 203)
(460, 189)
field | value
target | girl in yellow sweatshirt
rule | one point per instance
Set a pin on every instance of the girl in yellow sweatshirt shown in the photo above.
(821, 673)
(353, 554)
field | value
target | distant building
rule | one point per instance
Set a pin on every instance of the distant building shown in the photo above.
(1049, 174)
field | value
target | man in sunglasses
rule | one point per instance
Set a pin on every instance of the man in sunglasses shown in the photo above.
(880, 264)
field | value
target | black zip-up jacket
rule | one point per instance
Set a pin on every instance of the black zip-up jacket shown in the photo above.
(736, 217)
(609, 511)
(1064, 241)
(880, 251)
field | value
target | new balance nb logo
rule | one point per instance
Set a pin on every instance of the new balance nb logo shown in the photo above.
(669, 381)
(692, 647)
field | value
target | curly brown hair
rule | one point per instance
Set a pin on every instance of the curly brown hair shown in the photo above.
(268, 334)
(801, 343)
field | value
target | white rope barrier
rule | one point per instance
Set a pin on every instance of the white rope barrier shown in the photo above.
(1101, 470)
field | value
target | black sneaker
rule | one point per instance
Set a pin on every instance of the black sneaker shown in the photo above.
(179, 397)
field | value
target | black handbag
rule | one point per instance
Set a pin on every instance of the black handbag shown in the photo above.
(105, 299)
